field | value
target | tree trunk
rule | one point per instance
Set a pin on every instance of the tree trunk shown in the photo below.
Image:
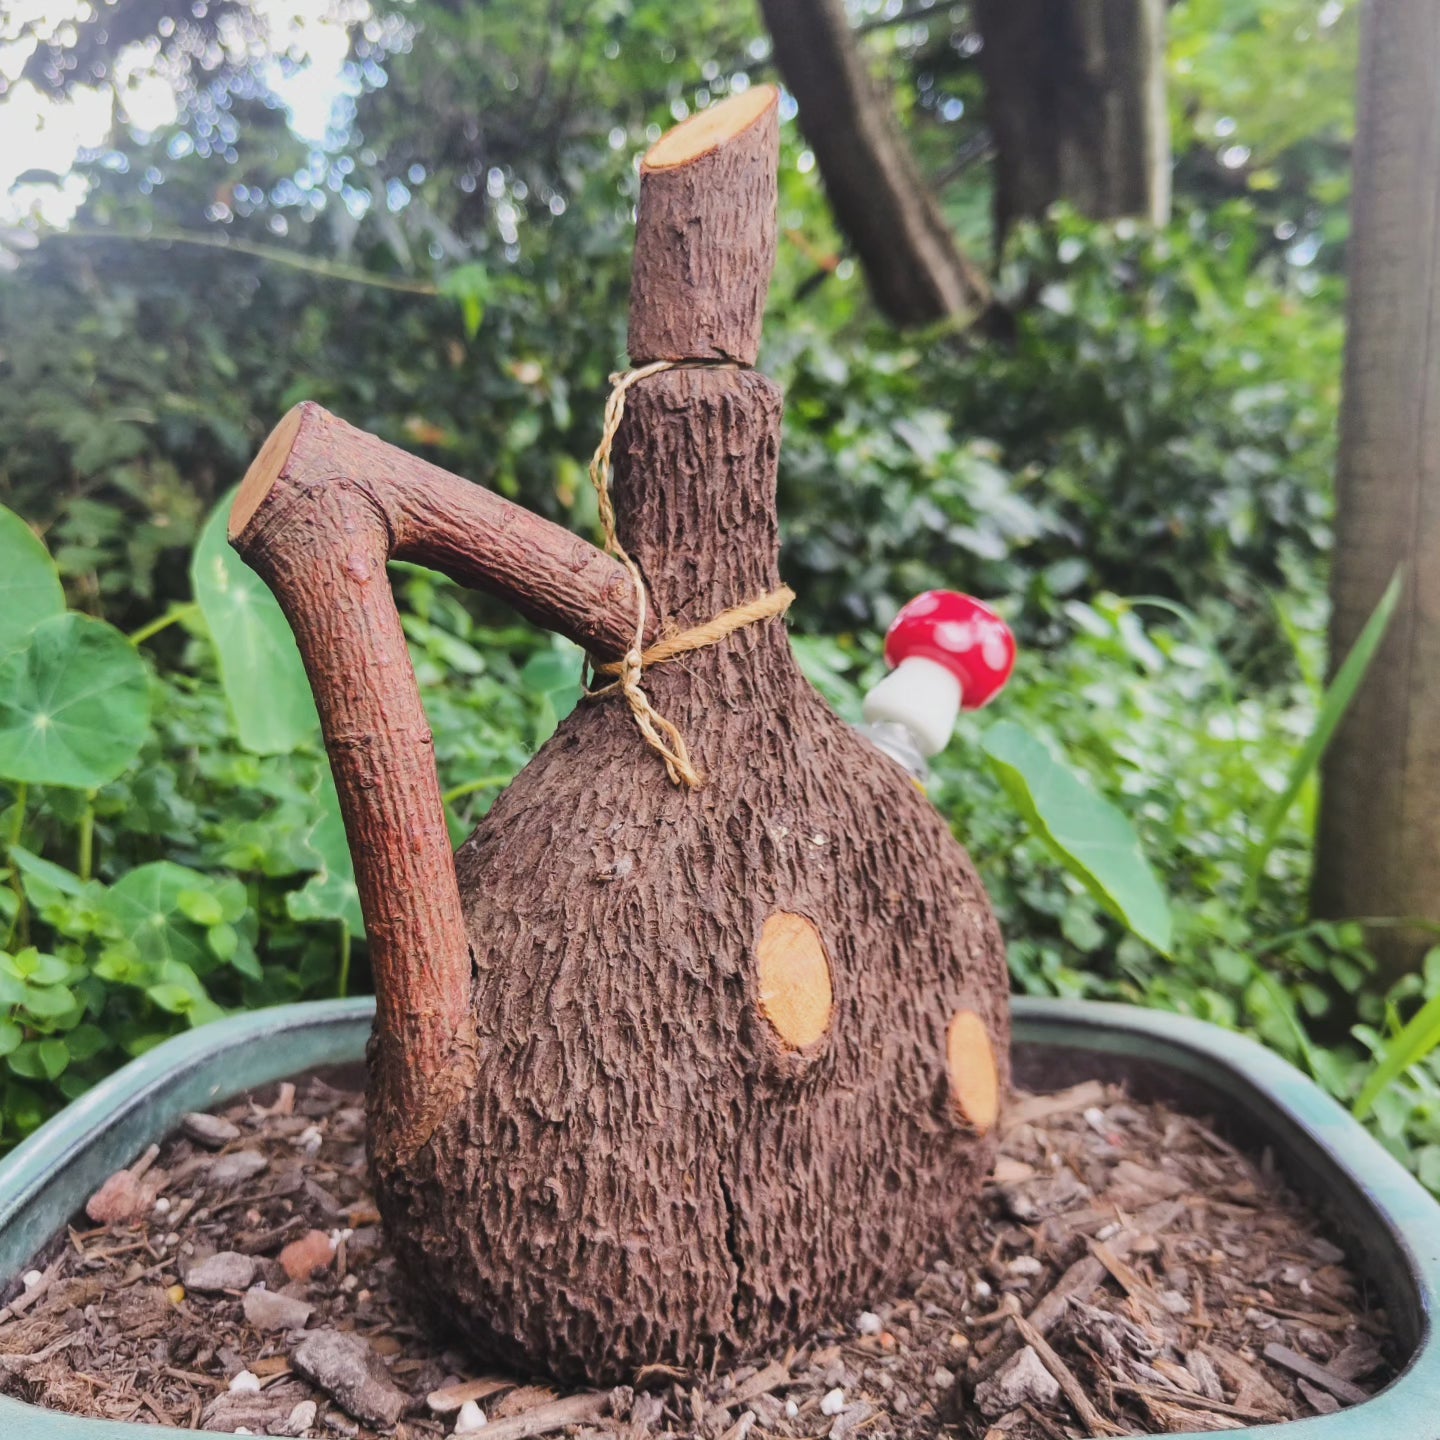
(1075, 96)
(730, 1056)
(1379, 841)
(916, 272)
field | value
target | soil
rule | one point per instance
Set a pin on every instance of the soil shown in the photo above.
(1134, 1273)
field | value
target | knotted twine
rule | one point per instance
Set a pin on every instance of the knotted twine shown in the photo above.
(659, 733)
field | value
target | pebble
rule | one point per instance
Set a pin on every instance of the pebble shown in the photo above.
(212, 1131)
(1022, 1378)
(311, 1252)
(791, 1409)
(227, 1270)
(237, 1166)
(302, 1417)
(471, 1417)
(833, 1403)
(121, 1197)
(1024, 1266)
(245, 1383)
(31, 1279)
(869, 1323)
(943, 1379)
(346, 1368)
(270, 1310)
(310, 1140)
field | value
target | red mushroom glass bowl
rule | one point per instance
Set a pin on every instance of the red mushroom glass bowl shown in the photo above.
(950, 652)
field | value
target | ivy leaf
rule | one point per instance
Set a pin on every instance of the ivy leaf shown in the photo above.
(74, 705)
(1089, 836)
(29, 583)
(260, 667)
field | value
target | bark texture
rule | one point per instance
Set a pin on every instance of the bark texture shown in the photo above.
(1379, 840)
(699, 285)
(634, 1165)
(916, 272)
(1075, 98)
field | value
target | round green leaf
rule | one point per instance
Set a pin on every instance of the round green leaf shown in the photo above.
(260, 667)
(74, 704)
(29, 584)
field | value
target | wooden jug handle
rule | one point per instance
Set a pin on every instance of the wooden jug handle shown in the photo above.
(320, 512)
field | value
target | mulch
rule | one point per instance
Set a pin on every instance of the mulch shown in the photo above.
(1132, 1273)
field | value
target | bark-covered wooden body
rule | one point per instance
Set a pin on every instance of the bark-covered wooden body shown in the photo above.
(618, 1157)
(643, 1171)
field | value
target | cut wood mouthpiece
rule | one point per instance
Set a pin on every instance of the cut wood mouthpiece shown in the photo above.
(660, 1076)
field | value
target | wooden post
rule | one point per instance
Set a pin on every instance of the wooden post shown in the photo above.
(1379, 838)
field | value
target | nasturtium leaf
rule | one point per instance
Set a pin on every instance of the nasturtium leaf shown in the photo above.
(260, 667)
(10, 1036)
(146, 907)
(1088, 835)
(29, 583)
(330, 893)
(74, 704)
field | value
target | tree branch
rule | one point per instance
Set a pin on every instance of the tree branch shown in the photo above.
(916, 272)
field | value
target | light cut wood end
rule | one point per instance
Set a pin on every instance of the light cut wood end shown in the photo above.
(265, 470)
(795, 989)
(974, 1080)
(707, 130)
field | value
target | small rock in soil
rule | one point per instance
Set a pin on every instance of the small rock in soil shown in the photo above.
(212, 1131)
(301, 1418)
(345, 1367)
(1020, 1379)
(470, 1418)
(270, 1310)
(229, 1270)
(233, 1168)
(311, 1252)
(122, 1197)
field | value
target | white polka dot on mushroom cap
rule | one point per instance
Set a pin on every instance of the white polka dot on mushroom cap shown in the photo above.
(922, 605)
(993, 646)
(957, 636)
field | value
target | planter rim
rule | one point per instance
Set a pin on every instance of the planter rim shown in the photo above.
(1391, 1217)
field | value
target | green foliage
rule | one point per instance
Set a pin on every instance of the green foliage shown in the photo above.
(1090, 837)
(206, 868)
(260, 667)
(29, 587)
(1419, 1038)
(74, 704)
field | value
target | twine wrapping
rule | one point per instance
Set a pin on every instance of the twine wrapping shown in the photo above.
(659, 733)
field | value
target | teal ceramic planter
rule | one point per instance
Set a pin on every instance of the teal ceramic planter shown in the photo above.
(1390, 1224)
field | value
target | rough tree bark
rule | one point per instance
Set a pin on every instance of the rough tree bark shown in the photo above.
(1379, 840)
(695, 1069)
(1075, 98)
(916, 272)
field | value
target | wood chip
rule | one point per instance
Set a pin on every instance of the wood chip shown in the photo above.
(1344, 1390)
(449, 1398)
(1072, 1389)
(572, 1410)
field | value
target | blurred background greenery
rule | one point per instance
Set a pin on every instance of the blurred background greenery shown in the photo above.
(419, 214)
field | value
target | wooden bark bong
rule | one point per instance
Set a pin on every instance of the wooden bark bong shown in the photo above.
(659, 1073)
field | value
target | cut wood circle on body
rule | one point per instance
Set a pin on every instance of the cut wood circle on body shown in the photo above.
(580, 1160)
(795, 988)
